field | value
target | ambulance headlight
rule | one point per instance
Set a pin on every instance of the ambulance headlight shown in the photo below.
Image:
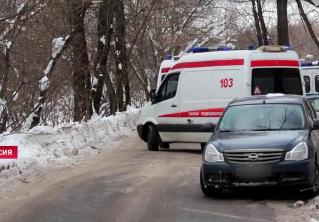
(212, 154)
(299, 152)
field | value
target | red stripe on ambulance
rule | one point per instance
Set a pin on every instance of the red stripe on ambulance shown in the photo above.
(260, 63)
(214, 112)
(8, 152)
(202, 64)
(165, 70)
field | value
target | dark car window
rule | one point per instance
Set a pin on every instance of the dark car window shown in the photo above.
(276, 80)
(317, 83)
(263, 117)
(168, 88)
(307, 83)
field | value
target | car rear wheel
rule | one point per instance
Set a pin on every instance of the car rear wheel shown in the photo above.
(314, 189)
(208, 191)
(152, 139)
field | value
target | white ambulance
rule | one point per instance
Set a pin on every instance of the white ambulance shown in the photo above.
(310, 73)
(197, 88)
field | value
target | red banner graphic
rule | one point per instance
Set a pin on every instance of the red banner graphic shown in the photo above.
(213, 112)
(8, 152)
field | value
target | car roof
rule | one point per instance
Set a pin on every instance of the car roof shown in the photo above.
(269, 98)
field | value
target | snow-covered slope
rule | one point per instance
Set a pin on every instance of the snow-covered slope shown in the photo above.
(46, 146)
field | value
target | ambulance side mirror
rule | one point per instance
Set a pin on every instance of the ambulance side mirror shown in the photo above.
(209, 127)
(153, 96)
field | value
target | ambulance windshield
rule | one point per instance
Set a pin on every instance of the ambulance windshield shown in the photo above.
(276, 80)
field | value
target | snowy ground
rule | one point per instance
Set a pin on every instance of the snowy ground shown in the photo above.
(46, 147)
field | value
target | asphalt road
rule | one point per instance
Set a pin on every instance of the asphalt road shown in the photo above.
(131, 184)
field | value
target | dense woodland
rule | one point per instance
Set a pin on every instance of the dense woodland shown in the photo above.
(66, 60)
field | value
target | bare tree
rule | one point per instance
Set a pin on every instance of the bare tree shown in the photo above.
(101, 74)
(18, 16)
(262, 23)
(80, 60)
(120, 57)
(307, 22)
(59, 46)
(257, 23)
(282, 23)
(312, 2)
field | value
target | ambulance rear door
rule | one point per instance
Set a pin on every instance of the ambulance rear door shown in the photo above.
(204, 96)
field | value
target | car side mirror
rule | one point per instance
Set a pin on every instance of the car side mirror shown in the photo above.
(153, 96)
(209, 127)
(315, 125)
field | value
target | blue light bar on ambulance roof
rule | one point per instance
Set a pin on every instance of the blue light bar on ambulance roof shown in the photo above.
(168, 57)
(198, 50)
(205, 49)
(223, 48)
(305, 63)
(308, 63)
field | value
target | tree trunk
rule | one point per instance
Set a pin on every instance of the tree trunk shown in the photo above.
(120, 58)
(257, 25)
(105, 32)
(306, 20)
(80, 61)
(3, 90)
(46, 76)
(111, 95)
(127, 89)
(264, 30)
(282, 23)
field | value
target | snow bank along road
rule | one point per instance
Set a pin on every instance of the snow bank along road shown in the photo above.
(129, 183)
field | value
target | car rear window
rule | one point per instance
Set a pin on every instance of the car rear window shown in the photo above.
(276, 80)
(263, 117)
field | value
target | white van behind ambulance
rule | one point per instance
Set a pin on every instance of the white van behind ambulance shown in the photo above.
(198, 87)
(164, 69)
(310, 74)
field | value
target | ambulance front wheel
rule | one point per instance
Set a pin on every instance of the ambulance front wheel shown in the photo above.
(153, 139)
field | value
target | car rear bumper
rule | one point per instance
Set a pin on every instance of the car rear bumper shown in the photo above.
(283, 173)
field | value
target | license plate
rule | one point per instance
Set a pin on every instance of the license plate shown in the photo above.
(253, 172)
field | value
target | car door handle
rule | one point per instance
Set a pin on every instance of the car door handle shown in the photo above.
(173, 105)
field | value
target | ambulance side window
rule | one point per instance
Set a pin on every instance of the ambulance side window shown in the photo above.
(168, 88)
(307, 83)
(317, 83)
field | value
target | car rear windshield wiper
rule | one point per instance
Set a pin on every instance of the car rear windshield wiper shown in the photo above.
(292, 129)
(276, 129)
(265, 130)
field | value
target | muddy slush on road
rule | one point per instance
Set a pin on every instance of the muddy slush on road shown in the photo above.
(131, 184)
